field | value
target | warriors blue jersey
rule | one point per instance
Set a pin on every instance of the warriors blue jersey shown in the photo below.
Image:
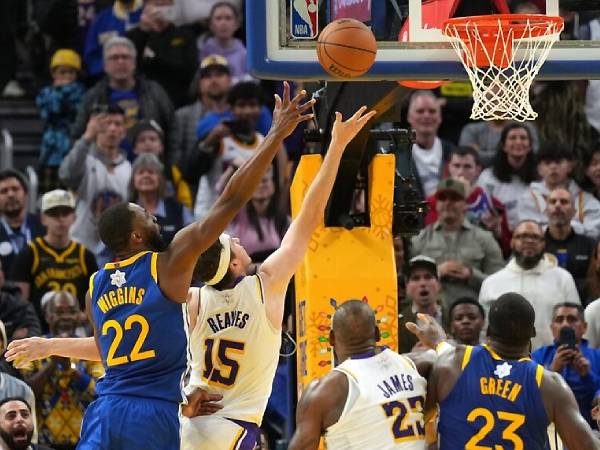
(495, 403)
(141, 332)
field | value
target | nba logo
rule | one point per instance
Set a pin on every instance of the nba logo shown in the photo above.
(304, 19)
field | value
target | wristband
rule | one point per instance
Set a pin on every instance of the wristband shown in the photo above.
(442, 348)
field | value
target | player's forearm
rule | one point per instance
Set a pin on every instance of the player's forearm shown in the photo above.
(79, 348)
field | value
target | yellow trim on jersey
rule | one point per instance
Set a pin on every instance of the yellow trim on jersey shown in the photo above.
(60, 258)
(539, 372)
(82, 259)
(408, 362)
(125, 262)
(239, 437)
(497, 357)
(466, 357)
(260, 289)
(253, 146)
(91, 283)
(36, 257)
(153, 267)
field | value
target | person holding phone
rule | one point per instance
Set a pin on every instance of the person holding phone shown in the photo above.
(571, 357)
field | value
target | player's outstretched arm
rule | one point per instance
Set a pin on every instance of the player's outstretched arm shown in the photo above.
(176, 264)
(563, 410)
(320, 407)
(278, 268)
(23, 351)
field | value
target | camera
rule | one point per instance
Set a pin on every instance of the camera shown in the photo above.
(409, 208)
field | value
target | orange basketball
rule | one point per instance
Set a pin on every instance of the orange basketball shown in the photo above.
(346, 48)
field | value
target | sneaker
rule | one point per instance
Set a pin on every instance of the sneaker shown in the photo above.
(13, 89)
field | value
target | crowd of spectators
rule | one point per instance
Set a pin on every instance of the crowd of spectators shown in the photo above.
(156, 106)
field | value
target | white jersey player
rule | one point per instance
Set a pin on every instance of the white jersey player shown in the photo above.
(374, 399)
(235, 321)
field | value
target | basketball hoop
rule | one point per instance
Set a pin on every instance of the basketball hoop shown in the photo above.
(502, 55)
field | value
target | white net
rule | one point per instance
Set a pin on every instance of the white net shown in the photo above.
(502, 61)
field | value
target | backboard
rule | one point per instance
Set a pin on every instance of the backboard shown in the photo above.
(282, 34)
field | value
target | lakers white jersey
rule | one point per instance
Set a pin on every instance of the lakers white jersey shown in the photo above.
(235, 349)
(384, 408)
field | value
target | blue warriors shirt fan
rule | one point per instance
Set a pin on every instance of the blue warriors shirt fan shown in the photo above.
(494, 403)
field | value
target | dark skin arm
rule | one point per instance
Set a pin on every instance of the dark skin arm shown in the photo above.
(562, 409)
(175, 265)
(320, 407)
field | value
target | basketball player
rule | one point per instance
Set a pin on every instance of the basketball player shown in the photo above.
(493, 395)
(134, 306)
(236, 319)
(374, 398)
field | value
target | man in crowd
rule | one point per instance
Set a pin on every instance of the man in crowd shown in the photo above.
(17, 225)
(467, 319)
(138, 97)
(578, 364)
(17, 424)
(63, 387)
(555, 165)
(530, 274)
(98, 171)
(465, 254)
(422, 288)
(573, 250)
(54, 262)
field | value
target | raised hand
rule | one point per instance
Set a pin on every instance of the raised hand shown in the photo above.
(289, 113)
(23, 351)
(344, 132)
(428, 331)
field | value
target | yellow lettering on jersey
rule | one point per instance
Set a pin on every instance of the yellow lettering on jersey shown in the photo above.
(502, 388)
(121, 296)
(53, 273)
(113, 298)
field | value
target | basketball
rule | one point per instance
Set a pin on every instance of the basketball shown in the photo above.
(346, 48)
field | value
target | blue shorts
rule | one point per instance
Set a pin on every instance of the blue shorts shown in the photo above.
(115, 422)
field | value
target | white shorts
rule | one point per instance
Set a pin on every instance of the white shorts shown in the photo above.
(217, 433)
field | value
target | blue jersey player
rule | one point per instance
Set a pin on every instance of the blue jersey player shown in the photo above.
(135, 308)
(494, 396)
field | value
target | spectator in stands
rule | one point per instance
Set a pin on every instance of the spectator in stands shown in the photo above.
(591, 164)
(138, 97)
(429, 153)
(194, 12)
(533, 276)
(230, 144)
(17, 424)
(166, 53)
(18, 316)
(485, 136)
(465, 254)
(109, 23)
(483, 209)
(98, 171)
(260, 226)
(422, 289)
(513, 168)
(579, 366)
(593, 278)
(555, 164)
(54, 262)
(223, 23)
(209, 89)
(148, 137)
(573, 251)
(63, 387)
(58, 105)
(467, 319)
(17, 226)
(147, 189)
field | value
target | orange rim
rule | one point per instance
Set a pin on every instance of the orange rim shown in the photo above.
(418, 84)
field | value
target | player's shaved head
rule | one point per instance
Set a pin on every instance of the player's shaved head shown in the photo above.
(354, 324)
(511, 319)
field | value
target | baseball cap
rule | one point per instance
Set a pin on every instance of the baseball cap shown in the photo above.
(450, 185)
(421, 262)
(56, 199)
(65, 57)
(145, 125)
(213, 61)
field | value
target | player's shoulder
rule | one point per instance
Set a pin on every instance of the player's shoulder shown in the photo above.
(327, 390)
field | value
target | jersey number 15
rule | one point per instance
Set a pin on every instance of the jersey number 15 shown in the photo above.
(220, 366)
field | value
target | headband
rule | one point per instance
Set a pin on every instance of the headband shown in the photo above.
(224, 260)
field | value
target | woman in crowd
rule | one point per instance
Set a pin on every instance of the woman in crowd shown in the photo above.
(147, 189)
(513, 168)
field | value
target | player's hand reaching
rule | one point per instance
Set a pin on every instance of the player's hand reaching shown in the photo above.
(289, 113)
(427, 330)
(344, 132)
(23, 351)
(201, 403)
